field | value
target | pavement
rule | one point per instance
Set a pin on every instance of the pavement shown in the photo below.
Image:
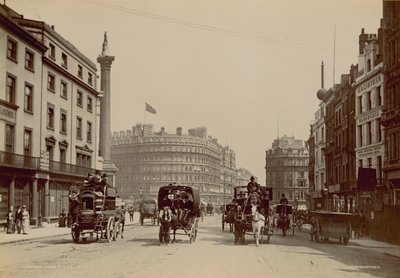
(52, 230)
(47, 230)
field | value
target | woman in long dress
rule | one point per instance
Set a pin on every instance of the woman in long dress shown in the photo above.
(10, 222)
(25, 220)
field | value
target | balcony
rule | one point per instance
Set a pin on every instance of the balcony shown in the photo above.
(32, 163)
(69, 169)
(18, 161)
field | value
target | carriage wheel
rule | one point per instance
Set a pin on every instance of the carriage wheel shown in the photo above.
(110, 232)
(76, 233)
(161, 234)
(195, 229)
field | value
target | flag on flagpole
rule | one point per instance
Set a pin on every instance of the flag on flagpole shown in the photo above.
(150, 109)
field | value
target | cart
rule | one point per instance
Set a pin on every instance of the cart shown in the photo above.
(244, 217)
(148, 209)
(94, 212)
(328, 224)
(283, 218)
(228, 216)
(184, 203)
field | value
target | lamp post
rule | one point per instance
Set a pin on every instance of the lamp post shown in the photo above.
(325, 195)
(296, 202)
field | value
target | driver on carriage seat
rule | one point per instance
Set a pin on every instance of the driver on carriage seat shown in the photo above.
(185, 207)
(168, 201)
(253, 187)
(283, 200)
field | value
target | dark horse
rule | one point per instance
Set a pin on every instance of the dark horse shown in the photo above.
(120, 223)
(166, 223)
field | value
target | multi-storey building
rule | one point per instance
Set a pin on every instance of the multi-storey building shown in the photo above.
(391, 107)
(386, 224)
(48, 115)
(369, 102)
(286, 170)
(147, 161)
(228, 173)
(316, 143)
(340, 185)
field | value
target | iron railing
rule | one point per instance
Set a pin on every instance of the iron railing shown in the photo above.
(8, 159)
(18, 161)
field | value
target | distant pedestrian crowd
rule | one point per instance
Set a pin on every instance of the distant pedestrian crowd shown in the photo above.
(18, 221)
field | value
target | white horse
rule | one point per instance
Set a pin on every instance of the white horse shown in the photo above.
(257, 223)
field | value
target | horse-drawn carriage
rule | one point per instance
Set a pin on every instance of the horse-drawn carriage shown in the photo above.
(326, 224)
(148, 209)
(94, 213)
(209, 209)
(228, 216)
(179, 209)
(251, 215)
(283, 218)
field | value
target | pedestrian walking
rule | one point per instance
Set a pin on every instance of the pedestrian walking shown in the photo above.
(131, 212)
(25, 220)
(18, 219)
(10, 222)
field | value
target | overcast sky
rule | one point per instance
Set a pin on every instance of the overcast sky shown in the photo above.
(235, 67)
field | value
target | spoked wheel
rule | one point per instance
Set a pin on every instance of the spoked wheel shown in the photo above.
(75, 233)
(110, 232)
(161, 234)
(196, 225)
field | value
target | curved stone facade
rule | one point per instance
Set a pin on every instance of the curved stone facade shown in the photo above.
(147, 162)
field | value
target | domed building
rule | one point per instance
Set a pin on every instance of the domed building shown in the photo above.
(147, 160)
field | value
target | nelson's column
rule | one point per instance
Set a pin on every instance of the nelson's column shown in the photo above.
(105, 62)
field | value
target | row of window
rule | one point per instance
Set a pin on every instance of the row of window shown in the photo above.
(11, 93)
(63, 123)
(12, 54)
(370, 133)
(81, 159)
(64, 63)
(366, 105)
(51, 85)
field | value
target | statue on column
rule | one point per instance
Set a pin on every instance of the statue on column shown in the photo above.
(104, 51)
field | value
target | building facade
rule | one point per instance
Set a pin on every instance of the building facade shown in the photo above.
(316, 144)
(369, 103)
(148, 161)
(391, 108)
(386, 223)
(49, 117)
(286, 170)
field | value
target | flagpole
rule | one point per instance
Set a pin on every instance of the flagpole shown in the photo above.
(145, 116)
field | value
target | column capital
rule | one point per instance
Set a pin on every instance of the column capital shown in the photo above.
(105, 61)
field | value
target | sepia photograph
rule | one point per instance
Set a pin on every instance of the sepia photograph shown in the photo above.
(199, 138)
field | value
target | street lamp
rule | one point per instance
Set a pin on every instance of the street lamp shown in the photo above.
(325, 195)
(296, 202)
